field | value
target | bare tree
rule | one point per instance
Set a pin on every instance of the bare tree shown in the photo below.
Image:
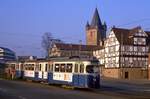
(48, 41)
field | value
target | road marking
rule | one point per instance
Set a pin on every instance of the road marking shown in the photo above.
(21, 97)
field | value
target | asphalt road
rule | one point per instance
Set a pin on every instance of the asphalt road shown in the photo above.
(27, 90)
(138, 89)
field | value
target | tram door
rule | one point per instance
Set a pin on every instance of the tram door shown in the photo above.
(79, 77)
(76, 75)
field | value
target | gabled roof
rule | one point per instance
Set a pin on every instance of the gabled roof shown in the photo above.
(125, 36)
(77, 47)
(96, 19)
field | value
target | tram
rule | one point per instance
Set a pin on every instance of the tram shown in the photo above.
(82, 73)
(16, 67)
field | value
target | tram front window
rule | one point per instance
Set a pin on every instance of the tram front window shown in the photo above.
(92, 69)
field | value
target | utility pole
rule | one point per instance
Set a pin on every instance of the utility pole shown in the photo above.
(80, 43)
(71, 50)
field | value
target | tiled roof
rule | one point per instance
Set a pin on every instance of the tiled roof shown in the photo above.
(125, 36)
(63, 46)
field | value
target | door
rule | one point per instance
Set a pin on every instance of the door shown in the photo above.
(126, 75)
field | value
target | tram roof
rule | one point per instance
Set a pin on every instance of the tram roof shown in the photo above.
(72, 59)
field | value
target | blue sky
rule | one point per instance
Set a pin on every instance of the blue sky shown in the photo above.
(23, 22)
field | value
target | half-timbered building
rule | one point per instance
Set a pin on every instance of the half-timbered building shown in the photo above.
(126, 53)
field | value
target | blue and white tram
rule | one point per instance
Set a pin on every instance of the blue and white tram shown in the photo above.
(81, 73)
(29, 70)
(36, 70)
(41, 70)
(16, 67)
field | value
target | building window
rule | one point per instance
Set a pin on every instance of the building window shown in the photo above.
(135, 40)
(135, 48)
(143, 41)
(91, 34)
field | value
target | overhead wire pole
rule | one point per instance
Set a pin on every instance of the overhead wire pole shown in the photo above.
(80, 43)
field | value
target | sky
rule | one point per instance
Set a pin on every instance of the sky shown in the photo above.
(23, 22)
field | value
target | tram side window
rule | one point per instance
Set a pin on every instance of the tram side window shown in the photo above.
(56, 67)
(50, 67)
(81, 68)
(69, 68)
(76, 68)
(21, 66)
(45, 67)
(62, 68)
(36, 67)
(40, 67)
(32, 67)
(13, 66)
(17, 66)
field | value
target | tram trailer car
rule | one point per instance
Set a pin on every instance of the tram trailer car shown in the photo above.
(29, 70)
(17, 66)
(36, 70)
(81, 73)
(42, 70)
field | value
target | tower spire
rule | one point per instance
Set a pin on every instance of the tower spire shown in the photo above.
(96, 19)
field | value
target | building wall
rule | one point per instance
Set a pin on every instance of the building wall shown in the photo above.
(112, 73)
(92, 37)
(149, 73)
(112, 51)
(125, 73)
(68, 53)
(6, 54)
(100, 55)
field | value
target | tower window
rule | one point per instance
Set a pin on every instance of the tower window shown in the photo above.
(91, 34)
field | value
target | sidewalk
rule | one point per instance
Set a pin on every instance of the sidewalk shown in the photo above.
(136, 81)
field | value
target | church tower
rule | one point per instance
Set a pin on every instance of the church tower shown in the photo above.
(96, 31)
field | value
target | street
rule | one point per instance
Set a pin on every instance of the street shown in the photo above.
(110, 89)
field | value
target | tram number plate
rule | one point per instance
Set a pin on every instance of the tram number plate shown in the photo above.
(62, 77)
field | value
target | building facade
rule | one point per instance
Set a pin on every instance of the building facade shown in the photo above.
(71, 50)
(6, 55)
(126, 53)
